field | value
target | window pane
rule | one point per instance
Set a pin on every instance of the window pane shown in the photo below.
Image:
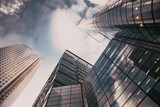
(147, 84)
(126, 94)
(147, 102)
(155, 93)
(135, 99)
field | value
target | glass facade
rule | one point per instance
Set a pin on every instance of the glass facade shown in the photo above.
(135, 19)
(65, 96)
(124, 75)
(65, 85)
(71, 70)
(16, 62)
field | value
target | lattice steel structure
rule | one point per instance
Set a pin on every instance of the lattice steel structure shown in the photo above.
(16, 62)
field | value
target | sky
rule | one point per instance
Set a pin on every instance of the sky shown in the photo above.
(50, 27)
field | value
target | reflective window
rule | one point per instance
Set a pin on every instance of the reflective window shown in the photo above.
(121, 52)
(135, 99)
(123, 14)
(127, 80)
(116, 74)
(133, 72)
(65, 96)
(100, 95)
(155, 93)
(156, 9)
(147, 102)
(147, 84)
(126, 60)
(146, 12)
(99, 61)
(109, 46)
(106, 64)
(136, 12)
(119, 15)
(105, 74)
(140, 77)
(155, 72)
(125, 95)
(123, 55)
(106, 104)
(115, 17)
(128, 68)
(129, 13)
(102, 101)
(119, 90)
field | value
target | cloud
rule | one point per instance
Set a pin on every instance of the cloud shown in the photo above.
(10, 6)
(100, 2)
(29, 23)
(65, 34)
(88, 3)
(11, 39)
(49, 26)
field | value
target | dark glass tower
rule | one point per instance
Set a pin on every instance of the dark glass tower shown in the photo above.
(71, 70)
(134, 19)
(125, 75)
(64, 87)
(65, 96)
(128, 71)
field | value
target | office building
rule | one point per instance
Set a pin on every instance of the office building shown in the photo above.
(134, 19)
(66, 83)
(65, 96)
(16, 63)
(128, 71)
(71, 70)
(125, 75)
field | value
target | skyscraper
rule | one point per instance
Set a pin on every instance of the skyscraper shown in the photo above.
(16, 63)
(71, 70)
(65, 85)
(128, 71)
(134, 19)
(125, 75)
(66, 96)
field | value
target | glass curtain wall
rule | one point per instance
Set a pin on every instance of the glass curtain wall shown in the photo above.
(66, 96)
(124, 75)
(137, 19)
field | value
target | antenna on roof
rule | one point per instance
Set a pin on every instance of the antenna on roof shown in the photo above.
(83, 15)
(89, 35)
(80, 22)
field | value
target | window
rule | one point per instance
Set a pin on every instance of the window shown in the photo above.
(126, 94)
(147, 102)
(133, 72)
(119, 90)
(102, 101)
(155, 93)
(147, 84)
(135, 99)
